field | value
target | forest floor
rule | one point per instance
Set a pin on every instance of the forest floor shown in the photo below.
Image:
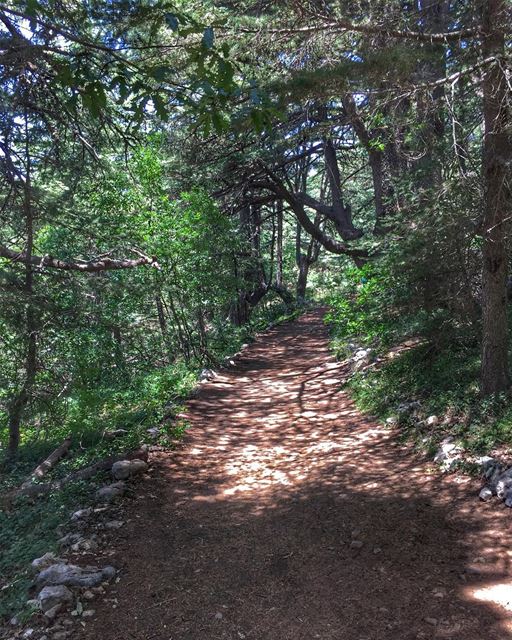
(288, 515)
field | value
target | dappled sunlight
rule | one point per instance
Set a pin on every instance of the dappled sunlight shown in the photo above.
(296, 517)
(500, 594)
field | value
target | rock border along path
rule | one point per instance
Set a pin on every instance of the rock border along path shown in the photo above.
(287, 515)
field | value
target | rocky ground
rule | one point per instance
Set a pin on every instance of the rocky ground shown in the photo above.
(286, 514)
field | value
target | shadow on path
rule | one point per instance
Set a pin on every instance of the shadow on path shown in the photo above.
(286, 515)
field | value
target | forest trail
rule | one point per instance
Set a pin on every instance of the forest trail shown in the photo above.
(287, 515)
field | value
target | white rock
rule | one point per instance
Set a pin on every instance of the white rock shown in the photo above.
(81, 514)
(68, 540)
(45, 561)
(72, 575)
(504, 483)
(85, 545)
(448, 452)
(206, 375)
(432, 421)
(392, 421)
(362, 354)
(54, 595)
(485, 494)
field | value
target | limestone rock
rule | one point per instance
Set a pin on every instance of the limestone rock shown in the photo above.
(137, 467)
(207, 375)
(68, 540)
(125, 469)
(487, 464)
(485, 494)
(448, 453)
(74, 576)
(504, 483)
(154, 432)
(121, 470)
(52, 596)
(52, 613)
(46, 561)
(81, 514)
(361, 359)
(110, 492)
(114, 524)
(86, 544)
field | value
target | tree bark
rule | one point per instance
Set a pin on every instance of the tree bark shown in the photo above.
(497, 158)
(19, 401)
(342, 213)
(375, 160)
(47, 465)
(279, 251)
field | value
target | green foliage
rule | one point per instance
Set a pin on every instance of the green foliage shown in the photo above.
(438, 379)
(27, 532)
(356, 308)
(446, 384)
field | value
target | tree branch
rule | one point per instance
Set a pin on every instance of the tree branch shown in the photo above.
(369, 29)
(90, 266)
(276, 185)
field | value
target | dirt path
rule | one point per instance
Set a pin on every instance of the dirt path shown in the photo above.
(289, 516)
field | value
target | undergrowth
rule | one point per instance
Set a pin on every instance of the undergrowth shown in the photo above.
(423, 358)
(149, 399)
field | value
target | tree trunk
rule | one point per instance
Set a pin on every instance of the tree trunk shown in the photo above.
(375, 160)
(342, 213)
(497, 156)
(20, 400)
(279, 252)
(162, 323)
(302, 279)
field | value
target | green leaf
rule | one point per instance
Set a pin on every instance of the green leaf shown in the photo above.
(161, 72)
(65, 76)
(160, 107)
(32, 8)
(94, 99)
